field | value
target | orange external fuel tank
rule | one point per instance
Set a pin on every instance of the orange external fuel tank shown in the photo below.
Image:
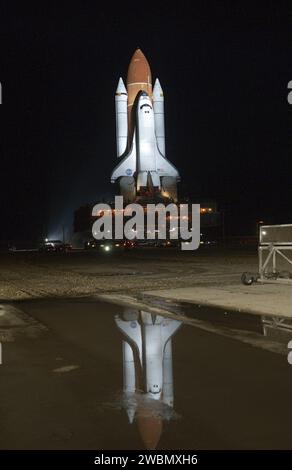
(138, 79)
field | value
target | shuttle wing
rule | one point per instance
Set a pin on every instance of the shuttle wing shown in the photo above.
(164, 167)
(127, 165)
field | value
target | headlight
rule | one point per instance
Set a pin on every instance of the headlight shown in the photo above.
(107, 248)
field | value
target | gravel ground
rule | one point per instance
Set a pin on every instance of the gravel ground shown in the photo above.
(26, 275)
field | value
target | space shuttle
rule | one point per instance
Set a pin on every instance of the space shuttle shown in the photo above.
(142, 169)
(147, 369)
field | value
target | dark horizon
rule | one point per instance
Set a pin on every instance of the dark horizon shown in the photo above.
(224, 71)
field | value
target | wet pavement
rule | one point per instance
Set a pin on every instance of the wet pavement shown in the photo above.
(106, 377)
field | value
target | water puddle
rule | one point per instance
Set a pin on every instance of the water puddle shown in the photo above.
(104, 376)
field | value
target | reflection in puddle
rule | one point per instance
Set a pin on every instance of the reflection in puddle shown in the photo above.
(147, 371)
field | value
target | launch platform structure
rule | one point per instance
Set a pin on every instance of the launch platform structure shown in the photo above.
(275, 257)
(275, 266)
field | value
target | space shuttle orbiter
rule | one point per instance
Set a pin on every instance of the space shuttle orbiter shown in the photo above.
(142, 168)
(147, 368)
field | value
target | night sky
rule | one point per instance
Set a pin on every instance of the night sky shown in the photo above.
(224, 70)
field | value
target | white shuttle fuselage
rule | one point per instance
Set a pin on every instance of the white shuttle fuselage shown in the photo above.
(151, 336)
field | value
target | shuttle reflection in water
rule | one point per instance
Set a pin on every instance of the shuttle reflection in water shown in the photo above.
(147, 370)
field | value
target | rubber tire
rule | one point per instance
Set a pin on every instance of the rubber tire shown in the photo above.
(247, 279)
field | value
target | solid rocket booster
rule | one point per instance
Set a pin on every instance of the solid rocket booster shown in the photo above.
(158, 105)
(121, 101)
(142, 166)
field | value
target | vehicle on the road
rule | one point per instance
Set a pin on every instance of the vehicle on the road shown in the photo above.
(128, 244)
(54, 246)
(108, 245)
(90, 244)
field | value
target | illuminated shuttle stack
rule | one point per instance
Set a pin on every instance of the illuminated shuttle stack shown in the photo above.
(147, 367)
(142, 169)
